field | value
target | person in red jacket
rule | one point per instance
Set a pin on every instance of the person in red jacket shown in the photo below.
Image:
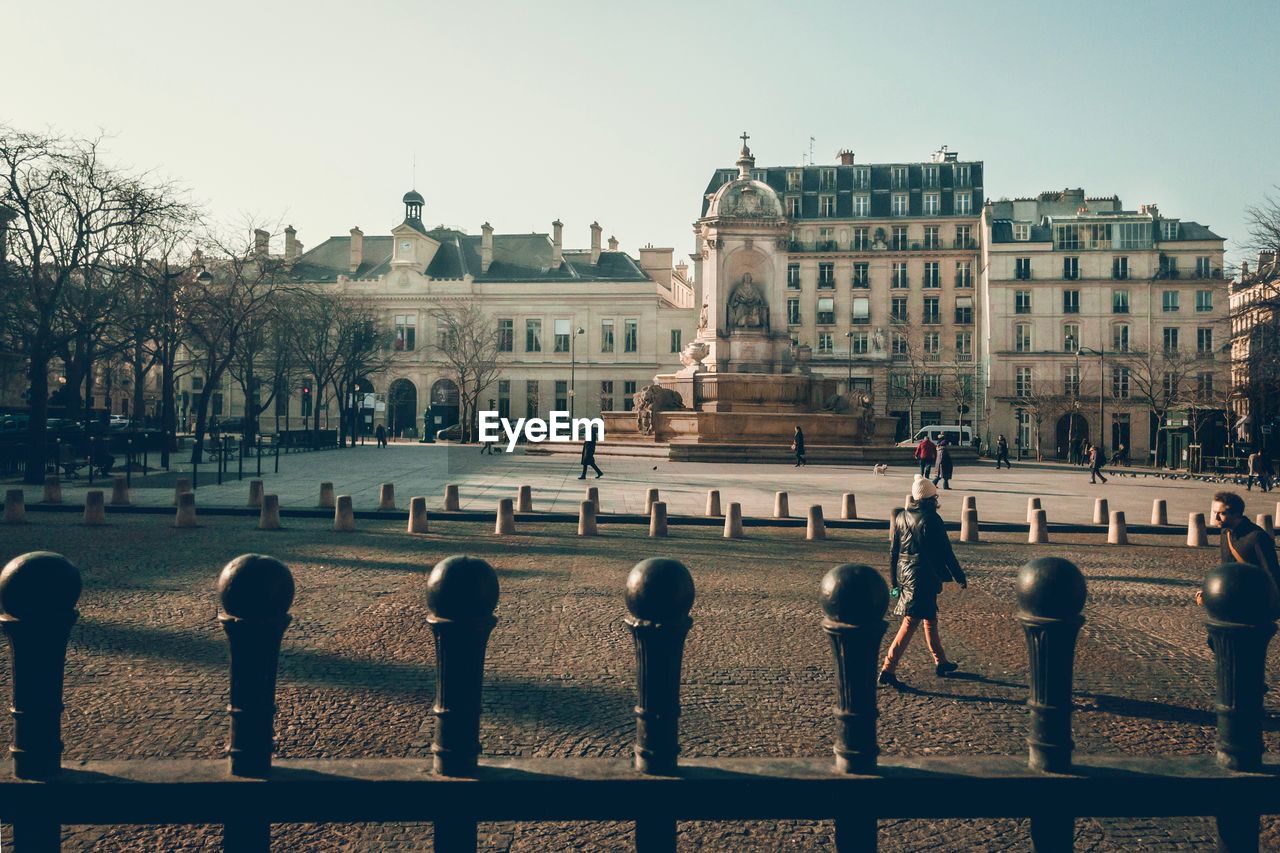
(926, 454)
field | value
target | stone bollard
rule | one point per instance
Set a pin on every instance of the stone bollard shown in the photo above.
(1117, 532)
(854, 600)
(387, 496)
(1101, 511)
(52, 490)
(181, 487)
(1197, 536)
(417, 515)
(1033, 504)
(186, 512)
(462, 593)
(1266, 523)
(255, 494)
(505, 522)
(587, 519)
(781, 505)
(524, 502)
(1159, 511)
(713, 503)
(269, 513)
(344, 516)
(970, 503)
(659, 596)
(816, 528)
(658, 519)
(326, 496)
(733, 522)
(120, 491)
(255, 592)
(15, 506)
(969, 526)
(38, 595)
(592, 494)
(95, 511)
(1038, 532)
(849, 506)
(650, 498)
(451, 502)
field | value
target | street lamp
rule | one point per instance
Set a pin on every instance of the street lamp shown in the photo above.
(573, 357)
(849, 385)
(1102, 387)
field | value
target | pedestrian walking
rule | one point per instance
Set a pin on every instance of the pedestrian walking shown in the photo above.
(1253, 466)
(381, 434)
(926, 454)
(920, 562)
(946, 465)
(1002, 452)
(589, 457)
(1096, 461)
(1242, 541)
(797, 446)
(1266, 471)
(486, 447)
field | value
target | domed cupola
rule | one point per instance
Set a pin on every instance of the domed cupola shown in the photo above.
(744, 198)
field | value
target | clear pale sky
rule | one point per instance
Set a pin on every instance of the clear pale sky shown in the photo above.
(518, 113)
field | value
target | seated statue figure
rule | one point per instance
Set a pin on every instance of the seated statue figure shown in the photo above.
(747, 306)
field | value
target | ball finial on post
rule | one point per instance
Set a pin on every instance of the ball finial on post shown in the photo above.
(854, 600)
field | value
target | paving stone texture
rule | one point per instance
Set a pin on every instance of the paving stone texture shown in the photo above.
(146, 671)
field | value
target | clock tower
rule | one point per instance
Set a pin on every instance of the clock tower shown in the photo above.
(411, 247)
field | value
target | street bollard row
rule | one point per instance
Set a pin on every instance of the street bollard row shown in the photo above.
(39, 592)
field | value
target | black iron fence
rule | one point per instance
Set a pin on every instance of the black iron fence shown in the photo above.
(458, 788)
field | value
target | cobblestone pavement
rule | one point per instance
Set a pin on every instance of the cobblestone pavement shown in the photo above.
(416, 469)
(146, 672)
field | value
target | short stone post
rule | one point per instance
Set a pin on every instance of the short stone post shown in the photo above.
(781, 506)
(52, 490)
(969, 526)
(1101, 511)
(15, 506)
(1197, 535)
(733, 521)
(1264, 520)
(269, 513)
(387, 496)
(587, 519)
(970, 503)
(592, 494)
(181, 487)
(713, 503)
(505, 521)
(849, 506)
(344, 516)
(38, 595)
(658, 519)
(451, 502)
(1117, 532)
(326, 496)
(1051, 594)
(1159, 511)
(650, 498)
(417, 515)
(255, 494)
(1038, 532)
(120, 491)
(1033, 504)
(186, 513)
(524, 501)
(95, 511)
(1241, 604)
(816, 527)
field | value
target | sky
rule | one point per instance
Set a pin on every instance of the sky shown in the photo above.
(314, 114)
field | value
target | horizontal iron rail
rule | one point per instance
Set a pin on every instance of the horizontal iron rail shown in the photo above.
(152, 791)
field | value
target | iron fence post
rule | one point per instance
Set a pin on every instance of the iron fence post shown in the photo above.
(258, 454)
(240, 459)
(1051, 595)
(659, 595)
(92, 456)
(128, 465)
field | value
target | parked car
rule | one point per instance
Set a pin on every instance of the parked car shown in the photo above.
(956, 435)
(449, 433)
(117, 422)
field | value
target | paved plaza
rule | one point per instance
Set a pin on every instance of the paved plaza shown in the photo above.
(146, 671)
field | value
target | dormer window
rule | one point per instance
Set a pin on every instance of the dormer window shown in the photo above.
(795, 180)
(1169, 229)
(1021, 231)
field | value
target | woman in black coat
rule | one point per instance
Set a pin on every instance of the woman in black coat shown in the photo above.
(946, 465)
(589, 458)
(797, 445)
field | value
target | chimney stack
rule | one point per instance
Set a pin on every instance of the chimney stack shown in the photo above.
(656, 264)
(613, 243)
(595, 242)
(261, 242)
(357, 249)
(1244, 270)
(291, 247)
(846, 157)
(486, 247)
(557, 244)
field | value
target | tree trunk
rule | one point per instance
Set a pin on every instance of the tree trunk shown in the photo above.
(38, 376)
(168, 410)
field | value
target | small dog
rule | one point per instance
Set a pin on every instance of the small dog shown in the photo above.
(880, 469)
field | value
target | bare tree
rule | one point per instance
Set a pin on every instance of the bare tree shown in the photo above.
(1043, 402)
(468, 345)
(1263, 222)
(906, 374)
(363, 347)
(1160, 378)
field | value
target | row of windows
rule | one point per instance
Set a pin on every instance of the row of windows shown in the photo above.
(406, 335)
(862, 239)
(1120, 268)
(1023, 338)
(1170, 301)
(899, 205)
(825, 313)
(930, 348)
(533, 396)
(1172, 385)
(899, 177)
(930, 385)
(860, 275)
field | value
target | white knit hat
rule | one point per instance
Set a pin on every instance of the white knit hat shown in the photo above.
(923, 488)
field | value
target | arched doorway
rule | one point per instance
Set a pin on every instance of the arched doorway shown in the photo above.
(1072, 429)
(363, 406)
(402, 408)
(444, 405)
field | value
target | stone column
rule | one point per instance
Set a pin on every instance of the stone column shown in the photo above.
(816, 527)
(417, 515)
(95, 512)
(344, 516)
(849, 506)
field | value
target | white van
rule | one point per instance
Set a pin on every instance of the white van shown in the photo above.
(956, 436)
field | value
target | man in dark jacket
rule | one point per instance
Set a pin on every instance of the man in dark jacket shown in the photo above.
(1096, 461)
(1242, 541)
(797, 446)
(920, 562)
(926, 454)
(1002, 452)
(589, 457)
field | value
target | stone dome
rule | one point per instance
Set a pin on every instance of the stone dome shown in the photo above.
(744, 198)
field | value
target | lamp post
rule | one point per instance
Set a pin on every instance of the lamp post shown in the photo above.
(1102, 387)
(573, 358)
(849, 384)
